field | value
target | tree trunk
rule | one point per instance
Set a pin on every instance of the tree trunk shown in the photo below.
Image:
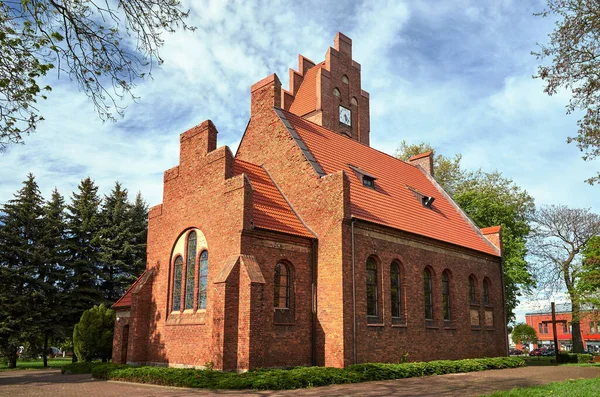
(12, 359)
(575, 317)
(45, 355)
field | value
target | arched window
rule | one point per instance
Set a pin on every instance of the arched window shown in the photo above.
(345, 79)
(178, 276)
(472, 296)
(395, 290)
(428, 294)
(190, 271)
(446, 295)
(202, 276)
(282, 286)
(371, 287)
(336, 92)
(486, 291)
(353, 101)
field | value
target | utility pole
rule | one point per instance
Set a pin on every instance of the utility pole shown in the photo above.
(556, 347)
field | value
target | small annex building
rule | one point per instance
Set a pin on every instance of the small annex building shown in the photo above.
(309, 247)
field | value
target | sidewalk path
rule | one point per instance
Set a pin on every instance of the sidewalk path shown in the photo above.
(52, 383)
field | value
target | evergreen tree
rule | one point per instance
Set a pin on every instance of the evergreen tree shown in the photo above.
(53, 274)
(83, 251)
(139, 217)
(21, 263)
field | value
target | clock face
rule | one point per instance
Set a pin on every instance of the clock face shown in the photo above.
(345, 116)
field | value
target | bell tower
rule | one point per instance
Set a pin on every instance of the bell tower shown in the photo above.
(330, 93)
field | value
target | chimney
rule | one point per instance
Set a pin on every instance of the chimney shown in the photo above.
(494, 235)
(197, 142)
(265, 94)
(425, 160)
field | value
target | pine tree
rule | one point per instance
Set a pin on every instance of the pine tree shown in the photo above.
(53, 276)
(83, 251)
(22, 257)
(139, 216)
(116, 252)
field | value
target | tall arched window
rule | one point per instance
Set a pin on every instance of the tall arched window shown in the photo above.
(282, 286)
(202, 276)
(372, 309)
(190, 271)
(178, 276)
(472, 296)
(486, 291)
(428, 294)
(396, 292)
(446, 295)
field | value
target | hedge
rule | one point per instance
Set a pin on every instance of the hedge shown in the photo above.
(293, 378)
(574, 358)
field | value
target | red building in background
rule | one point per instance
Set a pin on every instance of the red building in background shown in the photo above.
(590, 329)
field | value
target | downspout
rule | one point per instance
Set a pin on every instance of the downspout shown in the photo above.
(313, 339)
(506, 346)
(353, 294)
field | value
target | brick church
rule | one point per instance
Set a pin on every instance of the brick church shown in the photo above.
(308, 246)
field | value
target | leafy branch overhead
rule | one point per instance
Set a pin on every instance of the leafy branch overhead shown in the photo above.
(574, 54)
(105, 46)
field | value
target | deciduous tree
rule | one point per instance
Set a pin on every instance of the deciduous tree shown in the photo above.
(523, 333)
(559, 236)
(104, 46)
(573, 52)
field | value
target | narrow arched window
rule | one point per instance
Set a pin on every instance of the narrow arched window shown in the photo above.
(202, 277)
(396, 290)
(446, 295)
(486, 291)
(345, 79)
(472, 297)
(371, 287)
(190, 271)
(177, 277)
(282, 286)
(428, 294)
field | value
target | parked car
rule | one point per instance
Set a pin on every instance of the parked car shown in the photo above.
(535, 352)
(515, 352)
(549, 352)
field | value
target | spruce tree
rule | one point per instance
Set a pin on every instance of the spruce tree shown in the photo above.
(116, 253)
(53, 278)
(83, 251)
(22, 257)
(139, 217)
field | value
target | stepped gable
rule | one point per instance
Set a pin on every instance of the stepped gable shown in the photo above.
(270, 210)
(395, 199)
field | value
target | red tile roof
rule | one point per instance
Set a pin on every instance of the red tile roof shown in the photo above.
(305, 100)
(125, 300)
(391, 203)
(271, 210)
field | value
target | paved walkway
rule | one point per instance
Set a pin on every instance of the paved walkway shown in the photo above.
(52, 383)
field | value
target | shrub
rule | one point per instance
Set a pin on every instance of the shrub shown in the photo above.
(93, 334)
(574, 358)
(292, 378)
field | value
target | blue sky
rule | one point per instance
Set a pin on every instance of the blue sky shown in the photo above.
(455, 74)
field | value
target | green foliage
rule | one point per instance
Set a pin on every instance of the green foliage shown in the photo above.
(490, 200)
(93, 335)
(523, 333)
(293, 378)
(589, 278)
(448, 171)
(88, 42)
(574, 63)
(574, 358)
(571, 388)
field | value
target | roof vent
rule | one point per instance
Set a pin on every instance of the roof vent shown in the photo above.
(426, 201)
(366, 179)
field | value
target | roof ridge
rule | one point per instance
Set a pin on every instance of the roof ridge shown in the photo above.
(247, 162)
(347, 137)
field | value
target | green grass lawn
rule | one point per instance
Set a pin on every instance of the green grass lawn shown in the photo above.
(37, 364)
(571, 388)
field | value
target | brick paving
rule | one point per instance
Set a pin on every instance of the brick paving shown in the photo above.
(33, 383)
